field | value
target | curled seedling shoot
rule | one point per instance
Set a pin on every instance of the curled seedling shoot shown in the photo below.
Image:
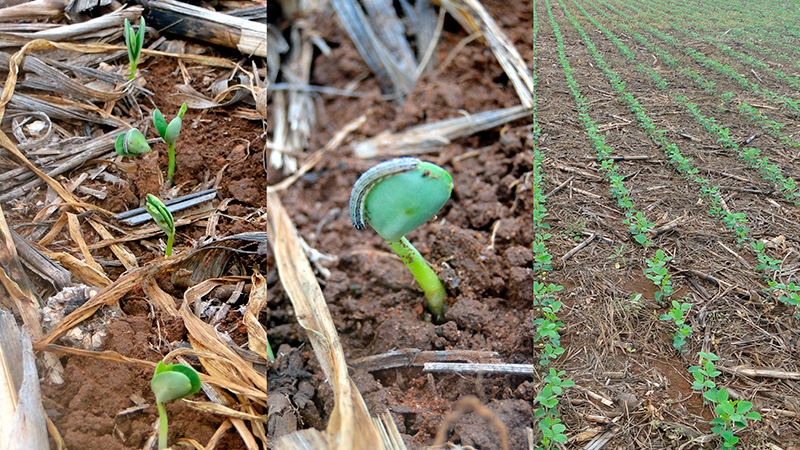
(170, 134)
(163, 218)
(134, 42)
(132, 143)
(394, 198)
(171, 382)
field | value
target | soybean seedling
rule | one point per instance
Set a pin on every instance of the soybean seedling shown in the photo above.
(394, 198)
(134, 42)
(132, 143)
(170, 134)
(171, 382)
(163, 218)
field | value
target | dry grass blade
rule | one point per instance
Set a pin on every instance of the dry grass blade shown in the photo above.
(38, 9)
(389, 433)
(50, 79)
(309, 439)
(99, 27)
(386, 65)
(473, 17)
(204, 336)
(22, 418)
(156, 295)
(77, 236)
(42, 265)
(426, 138)
(87, 274)
(334, 143)
(221, 410)
(256, 333)
(350, 426)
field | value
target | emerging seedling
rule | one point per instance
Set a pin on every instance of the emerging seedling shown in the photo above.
(134, 43)
(132, 143)
(163, 218)
(394, 198)
(171, 382)
(170, 134)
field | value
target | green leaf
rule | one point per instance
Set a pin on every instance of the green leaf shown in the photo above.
(182, 111)
(174, 381)
(742, 407)
(173, 130)
(160, 123)
(160, 214)
(752, 415)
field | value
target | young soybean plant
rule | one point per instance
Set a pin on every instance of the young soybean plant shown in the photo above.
(163, 218)
(171, 382)
(394, 198)
(132, 143)
(170, 134)
(134, 42)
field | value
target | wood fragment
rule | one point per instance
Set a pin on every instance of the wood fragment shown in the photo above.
(736, 255)
(508, 369)
(584, 174)
(560, 186)
(653, 232)
(579, 247)
(39, 263)
(586, 193)
(430, 136)
(194, 22)
(766, 373)
(414, 357)
(595, 396)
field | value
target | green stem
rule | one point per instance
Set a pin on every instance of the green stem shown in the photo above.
(162, 426)
(170, 240)
(171, 169)
(134, 64)
(270, 355)
(426, 277)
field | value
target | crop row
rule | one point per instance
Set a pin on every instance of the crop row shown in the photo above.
(770, 268)
(723, 69)
(548, 325)
(745, 59)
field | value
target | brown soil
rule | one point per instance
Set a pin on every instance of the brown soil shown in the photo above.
(86, 407)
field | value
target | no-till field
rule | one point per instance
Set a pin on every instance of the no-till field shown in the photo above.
(692, 109)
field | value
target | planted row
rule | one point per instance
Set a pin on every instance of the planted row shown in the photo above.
(548, 325)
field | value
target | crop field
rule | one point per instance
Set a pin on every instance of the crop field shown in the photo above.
(667, 226)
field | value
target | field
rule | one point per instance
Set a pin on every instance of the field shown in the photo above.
(667, 142)
(650, 201)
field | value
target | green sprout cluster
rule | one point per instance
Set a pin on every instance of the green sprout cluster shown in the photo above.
(134, 43)
(170, 134)
(171, 382)
(163, 218)
(394, 198)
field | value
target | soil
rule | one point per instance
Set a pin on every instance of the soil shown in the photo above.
(90, 409)
(481, 244)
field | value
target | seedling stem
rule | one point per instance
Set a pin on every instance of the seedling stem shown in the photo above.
(426, 277)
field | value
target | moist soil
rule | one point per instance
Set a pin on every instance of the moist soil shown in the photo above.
(631, 384)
